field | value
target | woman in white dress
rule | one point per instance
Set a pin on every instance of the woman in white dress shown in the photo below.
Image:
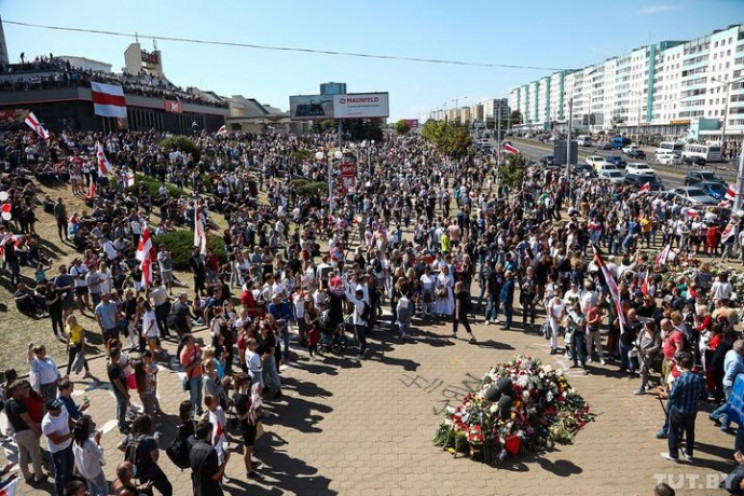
(444, 299)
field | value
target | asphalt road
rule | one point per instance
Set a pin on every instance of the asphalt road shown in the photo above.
(672, 177)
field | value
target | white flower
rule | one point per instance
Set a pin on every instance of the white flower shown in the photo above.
(549, 396)
(523, 381)
(525, 395)
(547, 369)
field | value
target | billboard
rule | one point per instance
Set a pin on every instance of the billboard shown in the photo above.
(361, 105)
(310, 107)
(174, 107)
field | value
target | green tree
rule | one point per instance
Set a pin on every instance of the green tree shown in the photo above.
(182, 143)
(448, 137)
(515, 117)
(402, 127)
(511, 173)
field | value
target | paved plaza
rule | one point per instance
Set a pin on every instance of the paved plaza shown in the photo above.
(348, 427)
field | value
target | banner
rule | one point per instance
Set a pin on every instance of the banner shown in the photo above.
(311, 107)
(348, 177)
(173, 107)
(361, 105)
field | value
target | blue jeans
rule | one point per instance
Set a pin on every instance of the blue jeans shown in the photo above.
(624, 358)
(63, 462)
(121, 409)
(508, 313)
(681, 425)
(721, 412)
(492, 308)
(271, 375)
(195, 394)
(578, 345)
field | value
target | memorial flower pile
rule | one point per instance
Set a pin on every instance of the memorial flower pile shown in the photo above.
(521, 406)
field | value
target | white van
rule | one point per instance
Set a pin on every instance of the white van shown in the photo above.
(675, 147)
(584, 140)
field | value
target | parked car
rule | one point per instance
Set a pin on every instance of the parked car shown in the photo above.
(605, 167)
(629, 148)
(695, 196)
(640, 169)
(547, 159)
(638, 181)
(637, 154)
(669, 159)
(697, 176)
(616, 160)
(605, 146)
(585, 170)
(593, 160)
(614, 176)
(713, 188)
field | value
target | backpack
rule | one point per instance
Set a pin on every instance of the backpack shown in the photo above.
(132, 451)
(178, 450)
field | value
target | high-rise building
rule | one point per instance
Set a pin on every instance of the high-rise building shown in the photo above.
(4, 60)
(685, 89)
(333, 88)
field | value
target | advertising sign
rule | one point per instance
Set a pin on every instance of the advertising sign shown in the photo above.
(310, 107)
(348, 177)
(174, 107)
(361, 105)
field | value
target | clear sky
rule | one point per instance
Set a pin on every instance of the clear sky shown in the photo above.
(543, 33)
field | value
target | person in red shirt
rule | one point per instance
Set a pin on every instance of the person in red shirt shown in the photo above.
(191, 361)
(212, 264)
(674, 341)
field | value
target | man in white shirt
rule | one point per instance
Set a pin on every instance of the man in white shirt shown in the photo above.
(360, 324)
(56, 428)
(78, 271)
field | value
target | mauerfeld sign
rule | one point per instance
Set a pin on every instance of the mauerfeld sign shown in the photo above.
(361, 105)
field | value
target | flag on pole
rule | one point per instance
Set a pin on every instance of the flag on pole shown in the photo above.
(91, 190)
(222, 130)
(108, 100)
(104, 166)
(200, 237)
(644, 287)
(129, 177)
(645, 188)
(10, 489)
(145, 248)
(34, 124)
(612, 286)
(511, 149)
(730, 194)
(146, 267)
(661, 258)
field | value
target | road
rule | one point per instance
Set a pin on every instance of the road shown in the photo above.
(672, 177)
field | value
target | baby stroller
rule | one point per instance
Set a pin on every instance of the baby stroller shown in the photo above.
(332, 335)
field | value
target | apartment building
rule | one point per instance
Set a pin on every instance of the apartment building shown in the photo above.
(673, 89)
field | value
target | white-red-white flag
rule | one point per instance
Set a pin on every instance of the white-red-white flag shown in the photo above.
(730, 194)
(145, 248)
(611, 285)
(104, 166)
(146, 267)
(511, 149)
(91, 190)
(645, 188)
(200, 236)
(10, 489)
(34, 124)
(661, 258)
(129, 177)
(222, 130)
(108, 100)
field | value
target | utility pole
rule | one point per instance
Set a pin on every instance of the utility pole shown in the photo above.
(740, 179)
(498, 136)
(568, 142)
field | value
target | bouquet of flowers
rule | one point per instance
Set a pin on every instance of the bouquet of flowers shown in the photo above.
(541, 409)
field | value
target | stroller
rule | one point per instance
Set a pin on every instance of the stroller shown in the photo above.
(332, 336)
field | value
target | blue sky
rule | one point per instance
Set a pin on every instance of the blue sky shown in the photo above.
(544, 33)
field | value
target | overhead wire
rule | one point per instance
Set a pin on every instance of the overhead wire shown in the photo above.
(281, 48)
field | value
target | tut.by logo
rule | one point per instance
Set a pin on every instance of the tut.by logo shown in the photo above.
(342, 100)
(691, 481)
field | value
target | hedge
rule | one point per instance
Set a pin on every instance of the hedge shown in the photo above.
(181, 245)
(153, 186)
(182, 143)
(306, 187)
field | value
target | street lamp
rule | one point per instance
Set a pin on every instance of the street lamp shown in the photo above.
(725, 108)
(320, 156)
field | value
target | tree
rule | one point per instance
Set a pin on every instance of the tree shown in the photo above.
(402, 127)
(515, 117)
(448, 137)
(512, 172)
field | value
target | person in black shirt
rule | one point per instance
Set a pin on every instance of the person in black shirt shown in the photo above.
(462, 306)
(206, 471)
(199, 271)
(247, 420)
(119, 385)
(26, 431)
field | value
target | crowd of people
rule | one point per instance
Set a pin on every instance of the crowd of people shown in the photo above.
(53, 72)
(300, 274)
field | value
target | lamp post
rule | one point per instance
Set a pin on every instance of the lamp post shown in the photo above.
(725, 110)
(320, 156)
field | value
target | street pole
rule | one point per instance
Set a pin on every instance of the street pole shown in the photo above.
(340, 136)
(498, 136)
(568, 142)
(740, 179)
(723, 126)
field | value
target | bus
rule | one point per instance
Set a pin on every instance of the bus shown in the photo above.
(675, 147)
(709, 153)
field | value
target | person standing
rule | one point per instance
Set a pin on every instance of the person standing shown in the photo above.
(462, 306)
(360, 317)
(60, 214)
(506, 298)
(556, 311)
(44, 373)
(199, 271)
(594, 318)
(76, 345)
(26, 432)
(282, 313)
(56, 428)
(191, 361)
(733, 365)
(687, 391)
(247, 421)
(87, 453)
(206, 471)
(118, 381)
(577, 323)
(528, 290)
(107, 316)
